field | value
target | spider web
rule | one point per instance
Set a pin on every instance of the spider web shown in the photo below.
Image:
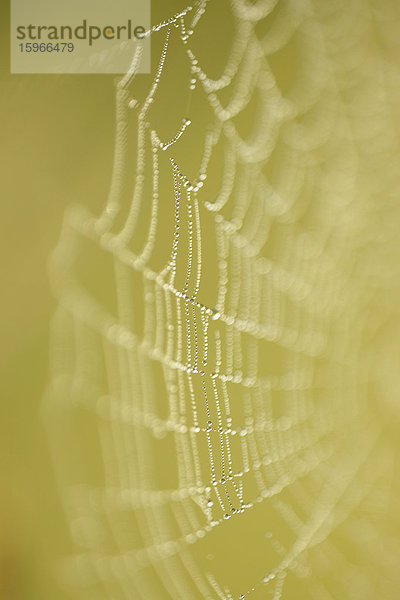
(223, 381)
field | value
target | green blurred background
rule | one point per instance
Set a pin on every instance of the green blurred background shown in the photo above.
(56, 141)
(56, 146)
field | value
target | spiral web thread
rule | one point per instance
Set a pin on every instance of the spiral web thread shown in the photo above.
(250, 395)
